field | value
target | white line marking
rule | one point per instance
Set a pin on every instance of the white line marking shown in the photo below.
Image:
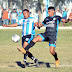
(35, 66)
(65, 65)
(8, 66)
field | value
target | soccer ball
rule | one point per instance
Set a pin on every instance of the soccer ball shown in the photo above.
(15, 38)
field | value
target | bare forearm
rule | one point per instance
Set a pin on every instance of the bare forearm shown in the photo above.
(12, 25)
(65, 21)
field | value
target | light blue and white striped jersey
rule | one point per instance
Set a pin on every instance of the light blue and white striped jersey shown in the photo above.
(27, 26)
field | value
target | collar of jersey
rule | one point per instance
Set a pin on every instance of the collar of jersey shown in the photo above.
(27, 18)
(52, 16)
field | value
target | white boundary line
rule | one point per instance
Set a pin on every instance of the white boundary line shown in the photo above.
(40, 67)
(20, 27)
(8, 66)
(65, 65)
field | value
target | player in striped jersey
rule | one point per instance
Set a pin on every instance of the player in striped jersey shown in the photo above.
(28, 32)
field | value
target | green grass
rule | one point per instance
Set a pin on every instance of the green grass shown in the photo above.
(66, 24)
(9, 54)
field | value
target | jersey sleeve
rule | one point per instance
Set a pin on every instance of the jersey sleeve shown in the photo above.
(59, 18)
(44, 22)
(20, 22)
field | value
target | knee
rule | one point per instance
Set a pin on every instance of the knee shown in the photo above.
(35, 40)
(52, 52)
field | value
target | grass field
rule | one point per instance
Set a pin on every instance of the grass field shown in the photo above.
(10, 57)
(66, 24)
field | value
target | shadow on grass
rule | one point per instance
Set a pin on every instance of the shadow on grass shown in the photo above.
(41, 64)
(21, 65)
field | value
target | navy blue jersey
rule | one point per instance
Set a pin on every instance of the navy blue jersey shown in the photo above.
(51, 24)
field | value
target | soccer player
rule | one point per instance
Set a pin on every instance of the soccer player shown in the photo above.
(51, 22)
(28, 32)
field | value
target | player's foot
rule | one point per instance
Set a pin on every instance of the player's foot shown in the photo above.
(36, 62)
(57, 63)
(23, 63)
(22, 50)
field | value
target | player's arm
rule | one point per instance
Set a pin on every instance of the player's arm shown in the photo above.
(66, 20)
(41, 24)
(35, 24)
(12, 25)
(63, 20)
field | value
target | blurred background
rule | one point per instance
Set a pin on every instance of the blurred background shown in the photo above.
(38, 6)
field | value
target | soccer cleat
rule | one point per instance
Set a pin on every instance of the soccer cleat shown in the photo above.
(57, 63)
(23, 63)
(36, 62)
(22, 50)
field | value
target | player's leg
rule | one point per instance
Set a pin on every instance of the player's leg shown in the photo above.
(25, 55)
(29, 54)
(52, 44)
(38, 38)
(52, 51)
(25, 41)
(32, 43)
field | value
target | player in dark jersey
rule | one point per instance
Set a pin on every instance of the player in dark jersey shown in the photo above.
(51, 22)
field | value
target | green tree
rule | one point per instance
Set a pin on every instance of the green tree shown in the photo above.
(25, 4)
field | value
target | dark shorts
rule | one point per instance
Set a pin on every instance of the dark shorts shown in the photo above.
(27, 38)
(49, 38)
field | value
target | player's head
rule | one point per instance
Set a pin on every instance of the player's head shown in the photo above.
(4, 9)
(26, 13)
(51, 11)
(14, 10)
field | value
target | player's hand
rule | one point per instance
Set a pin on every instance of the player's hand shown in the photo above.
(4, 25)
(40, 24)
(36, 24)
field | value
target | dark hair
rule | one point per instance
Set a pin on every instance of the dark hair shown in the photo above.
(4, 9)
(14, 9)
(51, 8)
(26, 10)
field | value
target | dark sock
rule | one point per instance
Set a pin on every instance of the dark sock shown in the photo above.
(55, 56)
(25, 56)
(29, 45)
(31, 56)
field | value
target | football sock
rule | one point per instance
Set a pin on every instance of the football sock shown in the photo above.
(55, 56)
(25, 56)
(29, 45)
(31, 56)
